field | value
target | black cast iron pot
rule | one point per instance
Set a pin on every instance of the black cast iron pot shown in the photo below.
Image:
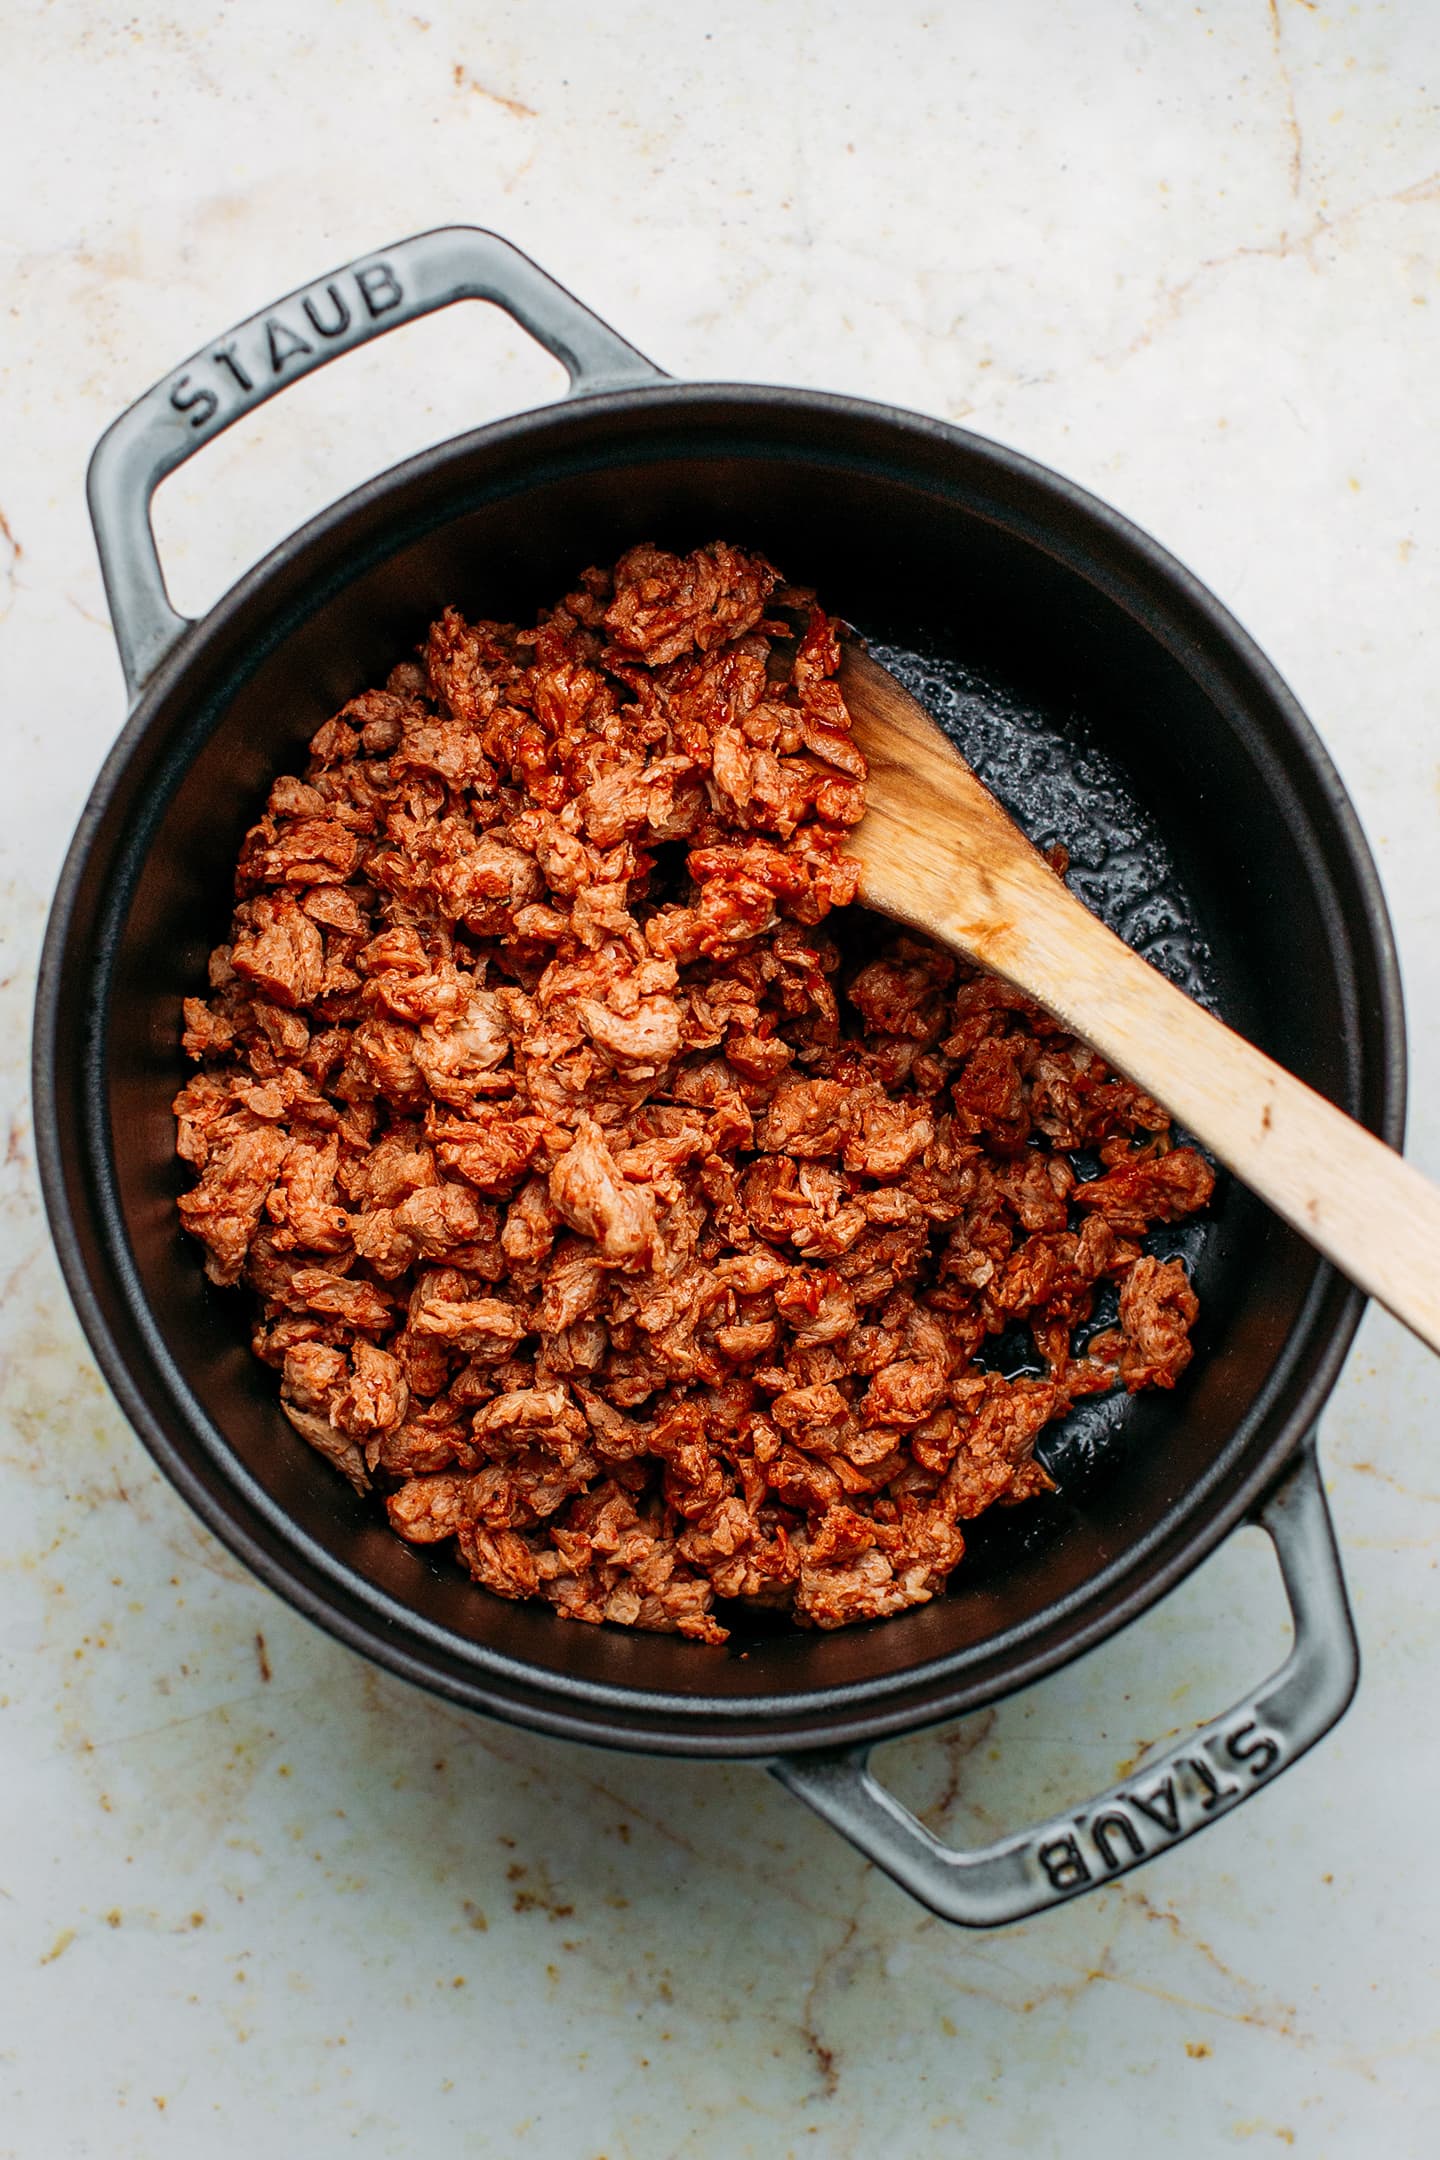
(942, 543)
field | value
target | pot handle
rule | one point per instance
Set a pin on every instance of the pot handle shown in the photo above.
(1207, 1775)
(231, 375)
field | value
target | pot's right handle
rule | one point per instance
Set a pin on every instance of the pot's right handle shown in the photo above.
(1213, 1771)
(231, 375)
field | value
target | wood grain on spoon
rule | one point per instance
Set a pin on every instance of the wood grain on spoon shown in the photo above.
(937, 851)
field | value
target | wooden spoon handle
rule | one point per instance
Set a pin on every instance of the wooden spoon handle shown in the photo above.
(1353, 1197)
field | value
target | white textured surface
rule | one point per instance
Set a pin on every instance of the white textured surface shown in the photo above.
(254, 1896)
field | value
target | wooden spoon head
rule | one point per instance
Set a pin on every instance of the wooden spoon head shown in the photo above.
(935, 849)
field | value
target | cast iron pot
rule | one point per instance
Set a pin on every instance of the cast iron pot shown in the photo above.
(955, 545)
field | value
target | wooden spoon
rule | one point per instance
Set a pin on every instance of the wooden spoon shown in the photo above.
(937, 851)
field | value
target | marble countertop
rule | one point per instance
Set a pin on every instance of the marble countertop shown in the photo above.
(257, 1895)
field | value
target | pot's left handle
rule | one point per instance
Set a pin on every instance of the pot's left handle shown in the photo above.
(230, 375)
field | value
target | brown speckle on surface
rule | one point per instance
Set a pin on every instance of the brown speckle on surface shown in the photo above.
(537, 1895)
(262, 1657)
(823, 2053)
(1386, 1477)
(957, 1743)
(14, 552)
(463, 80)
(1296, 143)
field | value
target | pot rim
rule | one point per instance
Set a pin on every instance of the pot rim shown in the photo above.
(352, 1607)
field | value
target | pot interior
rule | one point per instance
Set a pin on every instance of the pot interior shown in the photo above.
(1085, 677)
